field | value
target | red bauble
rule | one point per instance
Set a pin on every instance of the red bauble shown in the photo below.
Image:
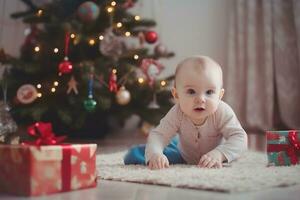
(151, 37)
(65, 67)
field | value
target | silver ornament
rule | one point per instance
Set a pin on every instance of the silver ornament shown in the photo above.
(123, 96)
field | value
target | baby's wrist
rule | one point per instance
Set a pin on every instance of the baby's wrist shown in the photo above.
(223, 158)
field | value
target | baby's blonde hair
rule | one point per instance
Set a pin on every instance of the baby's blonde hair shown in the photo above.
(200, 63)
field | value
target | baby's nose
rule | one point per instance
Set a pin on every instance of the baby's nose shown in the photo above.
(200, 98)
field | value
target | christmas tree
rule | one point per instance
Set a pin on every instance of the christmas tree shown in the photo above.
(84, 63)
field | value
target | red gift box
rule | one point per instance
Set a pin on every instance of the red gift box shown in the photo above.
(33, 170)
(283, 147)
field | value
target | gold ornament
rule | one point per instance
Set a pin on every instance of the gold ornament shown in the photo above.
(123, 96)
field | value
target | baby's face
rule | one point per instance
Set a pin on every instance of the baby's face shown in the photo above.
(198, 91)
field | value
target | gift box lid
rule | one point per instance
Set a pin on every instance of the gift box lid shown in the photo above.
(46, 152)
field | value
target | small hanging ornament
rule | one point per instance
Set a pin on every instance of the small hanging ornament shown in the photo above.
(151, 37)
(65, 67)
(160, 50)
(90, 103)
(128, 4)
(88, 11)
(112, 45)
(123, 96)
(72, 86)
(141, 37)
(151, 69)
(112, 85)
(153, 104)
(26, 94)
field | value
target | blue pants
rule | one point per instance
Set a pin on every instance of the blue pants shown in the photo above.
(136, 154)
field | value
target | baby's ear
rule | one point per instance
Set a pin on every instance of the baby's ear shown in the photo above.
(174, 93)
(221, 93)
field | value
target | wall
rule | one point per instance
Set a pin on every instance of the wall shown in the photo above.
(189, 27)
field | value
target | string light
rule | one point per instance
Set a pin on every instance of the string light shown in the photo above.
(91, 42)
(110, 9)
(39, 95)
(39, 13)
(101, 37)
(119, 24)
(140, 80)
(55, 50)
(113, 3)
(72, 35)
(136, 57)
(38, 86)
(55, 83)
(127, 33)
(37, 49)
(163, 83)
(137, 18)
(53, 89)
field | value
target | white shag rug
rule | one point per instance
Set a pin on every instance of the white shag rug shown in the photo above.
(249, 173)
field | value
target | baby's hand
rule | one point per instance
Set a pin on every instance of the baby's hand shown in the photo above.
(158, 161)
(212, 159)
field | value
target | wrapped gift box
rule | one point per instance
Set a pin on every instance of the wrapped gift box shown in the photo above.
(33, 170)
(283, 147)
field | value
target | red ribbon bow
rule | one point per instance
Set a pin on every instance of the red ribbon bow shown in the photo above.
(295, 147)
(44, 134)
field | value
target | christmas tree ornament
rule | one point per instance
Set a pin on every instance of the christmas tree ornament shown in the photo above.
(141, 37)
(123, 96)
(153, 104)
(66, 67)
(90, 103)
(112, 45)
(128, 4)
(151, 69)
(7, 125)
(26, 94)
(72, 86)
(151, 37)
(88, 11)
(30, 40)
(112, 84)
(160, 50)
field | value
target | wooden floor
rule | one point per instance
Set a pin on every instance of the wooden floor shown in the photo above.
(130, 191)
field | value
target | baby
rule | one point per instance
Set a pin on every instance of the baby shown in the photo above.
(208, 131)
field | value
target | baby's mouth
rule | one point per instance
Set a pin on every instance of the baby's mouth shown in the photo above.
(199, 109)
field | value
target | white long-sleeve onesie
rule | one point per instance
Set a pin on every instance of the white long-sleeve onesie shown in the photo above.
(221, 130)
